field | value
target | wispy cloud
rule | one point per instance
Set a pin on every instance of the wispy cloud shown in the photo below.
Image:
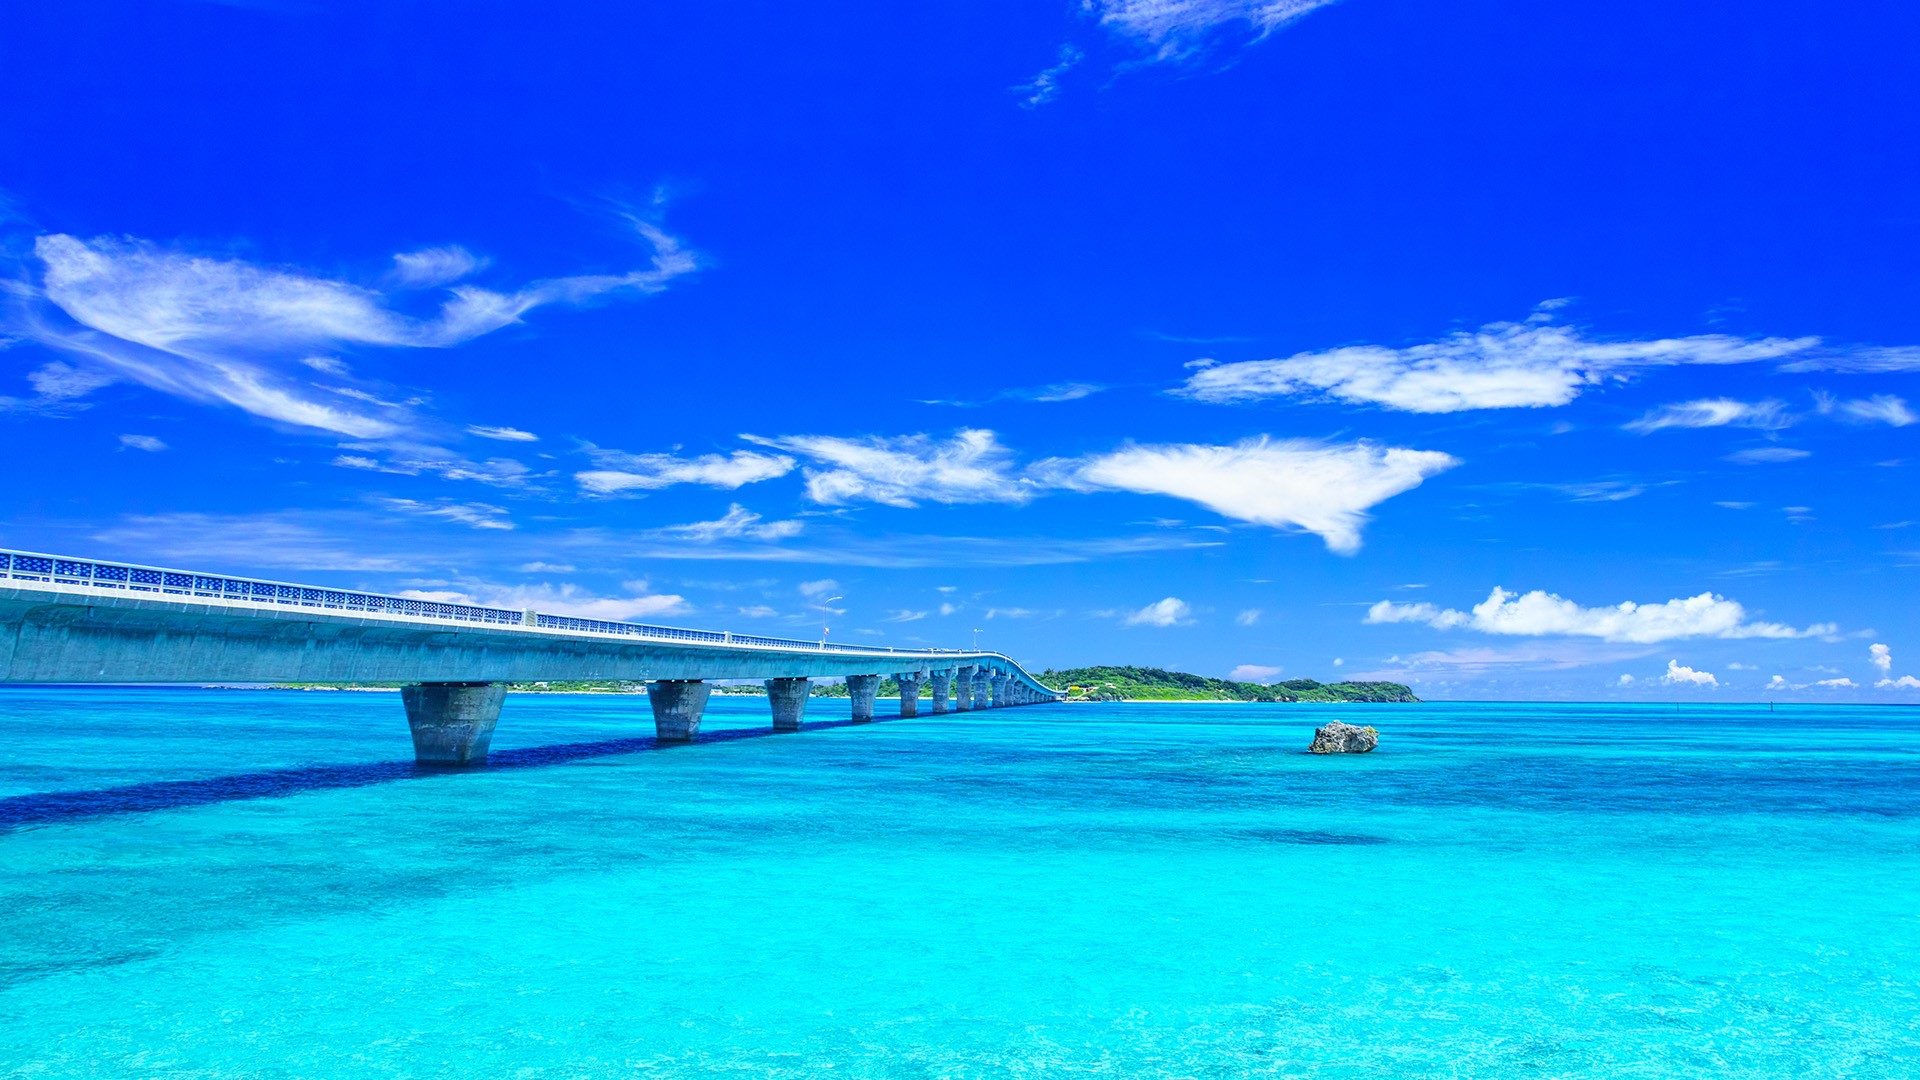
(142, 442)
(405, 459)
(970, 467)
(226, 331)
(1324, 489)
(434, 266)
(1715, 412)
(1532, 364)
(472, 514)
(738, 523)
(1177, 28)
(563, 599)
(1766, 455)
(622, 472)
(1540, 613)
(1879, 409)
(1255, 673)
(1045, 86)
(1171, 611)
(502, 434)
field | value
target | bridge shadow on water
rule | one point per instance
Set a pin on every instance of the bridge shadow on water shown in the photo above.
(56, 806)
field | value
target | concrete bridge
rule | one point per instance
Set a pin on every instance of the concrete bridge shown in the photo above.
(71, 620)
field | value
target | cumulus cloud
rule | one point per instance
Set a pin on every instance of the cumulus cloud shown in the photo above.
(621, 472)
(1176, 28)
(738, 523)
(1259, 673)
(1324, 489)
(1882, 657)
(1904, 682)
(1776, 683)
(1541, 613)
(1841, 683)
(1171, 611)
(1500, 366)
(227, 331)
(1714, 412)
(142, 442)
(1681, 675)
(1626, 680)
(971, 467)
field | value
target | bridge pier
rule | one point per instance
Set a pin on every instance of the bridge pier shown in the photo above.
(909, 692)
(452, 723)
(980, 685)
(942, 682)
(999, 685)
(678, 705)
(863, 689)
(963, 689)
(789, 700)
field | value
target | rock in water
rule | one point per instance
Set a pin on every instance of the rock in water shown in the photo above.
(1339, 738)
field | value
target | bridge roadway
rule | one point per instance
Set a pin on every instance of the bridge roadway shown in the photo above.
(72, 620)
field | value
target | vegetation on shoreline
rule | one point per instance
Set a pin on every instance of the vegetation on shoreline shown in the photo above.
(1080, 684)
(1158, 684)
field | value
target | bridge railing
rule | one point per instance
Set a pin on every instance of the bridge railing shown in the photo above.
(135, 578)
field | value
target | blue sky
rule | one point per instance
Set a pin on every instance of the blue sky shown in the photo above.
(1508, 350)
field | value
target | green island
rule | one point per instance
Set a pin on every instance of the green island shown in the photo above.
(1159, 684)
(1081, 684)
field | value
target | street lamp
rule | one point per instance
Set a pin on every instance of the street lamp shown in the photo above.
(823, 616)
(976, 639)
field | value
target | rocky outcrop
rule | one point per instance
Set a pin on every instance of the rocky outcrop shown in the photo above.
(1339, 738)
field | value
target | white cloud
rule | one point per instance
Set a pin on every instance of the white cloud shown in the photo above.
(1882, 657)
(217, 330)
(1256, 673)
(1879, 409)
(546, 568)
(142, 442)
(651, 472)
(1715, 412)
(1171, 611)
(738, 523)
(1541, 613)
(1499, 366)
(1836, 684)
(1766, 455)
(971, 467)
(758, 611)
(434, 266)
(905, 615)
(1248, 617)
(502, 434)
(1626, 680)
(566, 599)
(1680, 674)
(948, 609)
(1045, 86)
(819, 588)
(405, 459)
(475, 515)
(1738, 666)
(1904, 682)
(1339, 661)
(1776, 683)
(1287, 484)
(1176, 28)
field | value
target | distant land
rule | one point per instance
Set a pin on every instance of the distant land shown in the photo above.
(1081, 684)
(1159, 684)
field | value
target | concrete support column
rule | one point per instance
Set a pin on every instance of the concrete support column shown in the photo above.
(998, 687)
(942, 687)
(789, 700)
(910, 692)
(678, 705)
(963, 688)
(980, 686)
(862, 689)
(452, 723)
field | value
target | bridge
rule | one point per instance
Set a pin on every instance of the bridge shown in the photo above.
(74, 620)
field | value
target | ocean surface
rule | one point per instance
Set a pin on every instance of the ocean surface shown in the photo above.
(223, 883)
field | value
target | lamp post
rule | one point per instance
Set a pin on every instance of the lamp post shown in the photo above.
(976, 639)
(823, 617)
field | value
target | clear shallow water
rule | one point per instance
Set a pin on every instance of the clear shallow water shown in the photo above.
(1126, 891)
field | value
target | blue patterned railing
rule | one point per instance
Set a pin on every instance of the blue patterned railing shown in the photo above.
(133, 578)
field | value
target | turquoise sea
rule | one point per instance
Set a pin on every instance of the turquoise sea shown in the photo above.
(207, 883)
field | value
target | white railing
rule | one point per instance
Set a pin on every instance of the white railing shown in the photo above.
(187, 584)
